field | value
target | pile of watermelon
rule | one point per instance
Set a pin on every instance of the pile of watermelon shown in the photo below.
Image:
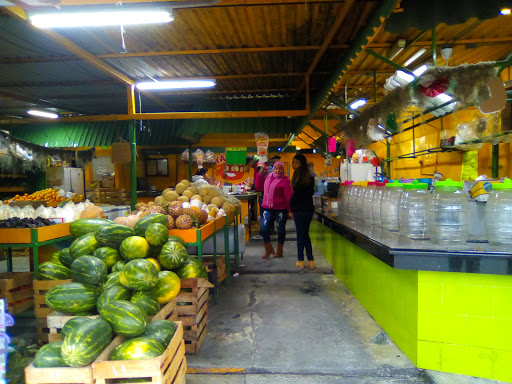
(123, 274)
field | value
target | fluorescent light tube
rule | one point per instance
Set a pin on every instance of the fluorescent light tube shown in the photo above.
(96, 19)
(505, 11)
(175, 84)
(358, 103)
(420, 70)
(415, 57)
(43, 114)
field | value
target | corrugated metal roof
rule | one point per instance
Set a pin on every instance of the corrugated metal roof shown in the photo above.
(150, 133)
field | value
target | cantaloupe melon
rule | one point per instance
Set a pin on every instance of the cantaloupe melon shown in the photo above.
(180, 188)
(171, 195)
(207, 198)
(187, 193)
(217, 201)
(183, 199)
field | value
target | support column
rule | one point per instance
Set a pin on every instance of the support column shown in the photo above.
(133, 165)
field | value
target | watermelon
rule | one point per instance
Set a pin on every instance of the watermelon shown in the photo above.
(54, 258)
(161, 331)
(147, 301)
(65, 257)
(173, 255)
(72, 324)
(146, 221)
(82, 227)
(157, 234)
(113, 235)
(167, 287)
(134, 247)
(84, 343)
(192, 269)
(154, 251)
(155, 263)
(48, 356)
(177, 239)
(72, 297)
(53, 271)
(126, 318)
(84, 245)
(112, 281)
(139, 348)
(114, 293)
(89, 270)
(110, 256)
(118, 266)
(139, 274)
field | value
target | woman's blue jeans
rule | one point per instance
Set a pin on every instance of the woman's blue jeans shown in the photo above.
(267, 220)
(302, 222)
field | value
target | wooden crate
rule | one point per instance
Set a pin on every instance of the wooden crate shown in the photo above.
(16, 289)
(64, 375)
(221, 266)
(40, 288)
(169, 368)
(192, 308)
(43, 331)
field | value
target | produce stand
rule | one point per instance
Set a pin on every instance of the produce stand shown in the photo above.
(196, 236)
(32, 238)
(170, 367)
(16, 289)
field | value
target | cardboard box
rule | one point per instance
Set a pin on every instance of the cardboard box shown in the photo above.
(33, 203)
(107, 182)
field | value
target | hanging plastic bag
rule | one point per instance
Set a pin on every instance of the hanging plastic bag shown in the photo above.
(184, 155)
(209, 157)
(199, 157)
(262, 141)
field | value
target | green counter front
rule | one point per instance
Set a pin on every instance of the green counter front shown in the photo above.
(453, 322)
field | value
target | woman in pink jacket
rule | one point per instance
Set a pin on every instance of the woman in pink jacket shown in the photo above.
(276, 199)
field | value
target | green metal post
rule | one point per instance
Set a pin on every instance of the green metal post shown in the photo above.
(216, 282)
(227, 259)
(34, 243)
(133, 165)
(434, 49)
(495, 161)
(388, 155)
(235, 237)
(190, 158)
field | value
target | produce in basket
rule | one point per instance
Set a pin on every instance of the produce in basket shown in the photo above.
(83, 344)
(49, 356)
(140, 348)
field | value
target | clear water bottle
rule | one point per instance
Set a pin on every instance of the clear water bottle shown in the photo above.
(413, 212)
(367, 202)
(389, 205)
(353, 192)
(359, 202)
(449, 213)
(498, 212)
(343, 193)
(376, 203)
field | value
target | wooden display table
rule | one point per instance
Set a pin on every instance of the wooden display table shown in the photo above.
(32, 238)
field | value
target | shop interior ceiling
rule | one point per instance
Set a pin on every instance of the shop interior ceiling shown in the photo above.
(278, 60)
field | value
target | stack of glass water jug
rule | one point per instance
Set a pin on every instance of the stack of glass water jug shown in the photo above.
(417, 213)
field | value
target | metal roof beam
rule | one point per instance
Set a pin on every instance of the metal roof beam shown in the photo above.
(327, 41)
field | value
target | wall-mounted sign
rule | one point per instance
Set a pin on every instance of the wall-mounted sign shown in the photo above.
(236, 155)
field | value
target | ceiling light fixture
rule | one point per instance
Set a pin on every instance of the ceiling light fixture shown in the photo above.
(415, 57)
(99, 18)
(174, 84)
(505, 11)
(358, 103)
(43, 114)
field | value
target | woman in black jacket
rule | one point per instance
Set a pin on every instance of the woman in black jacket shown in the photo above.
(301, 205)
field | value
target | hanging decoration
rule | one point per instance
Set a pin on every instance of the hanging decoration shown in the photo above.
(466, 84)
(23, 156)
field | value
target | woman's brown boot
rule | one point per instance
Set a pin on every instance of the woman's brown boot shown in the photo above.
(269, 250)
(311, 264)
(300, 264)
(279, 252)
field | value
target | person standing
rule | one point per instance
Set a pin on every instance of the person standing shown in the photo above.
(201, 176)
(276, 199)
(259, 184)
(301, 205)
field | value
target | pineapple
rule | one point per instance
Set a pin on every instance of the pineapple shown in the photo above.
(175, 209)
(193, 214)
(171, 222)
(184, 222)
(203, 217)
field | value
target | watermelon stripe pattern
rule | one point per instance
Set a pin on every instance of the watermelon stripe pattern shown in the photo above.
(72, 297)
(89, 270)
(82, 227)
(139, 274)
(140, 348)
(146, 221)
(49, 356)
(126, 318)
(113, 235)
(84, 343)
(53, 271)
(146, 301)
(84, 245)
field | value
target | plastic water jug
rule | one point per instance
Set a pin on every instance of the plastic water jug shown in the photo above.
(498, 213)
(367, 202)
(353, 192)
(449, 213)
(413, 211)
(359, 216)
(376, 202)
(389, 205)
(343, 196)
